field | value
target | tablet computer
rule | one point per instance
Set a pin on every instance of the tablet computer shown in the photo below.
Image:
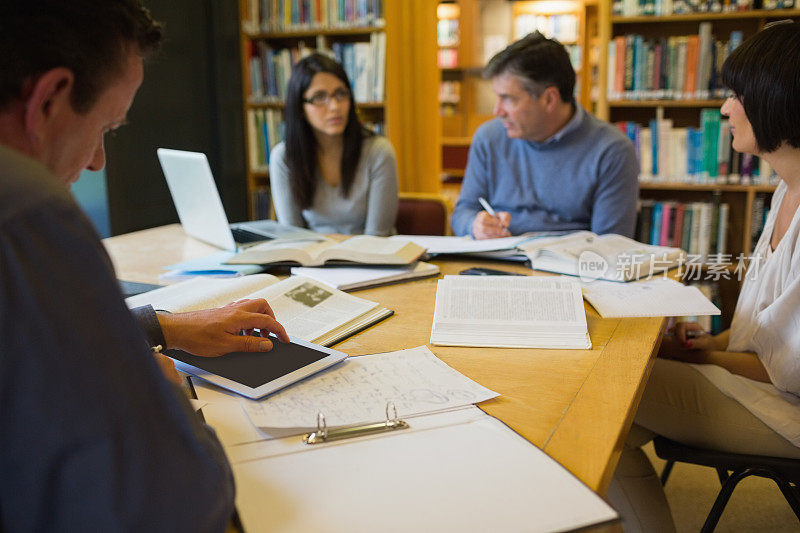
(256, 374)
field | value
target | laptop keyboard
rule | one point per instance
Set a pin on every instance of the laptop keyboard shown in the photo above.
(244, 236)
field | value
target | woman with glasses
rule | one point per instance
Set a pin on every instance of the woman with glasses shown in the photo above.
(738, 391)
(331, 174)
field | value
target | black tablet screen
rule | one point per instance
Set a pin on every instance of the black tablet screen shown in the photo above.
(254, 369)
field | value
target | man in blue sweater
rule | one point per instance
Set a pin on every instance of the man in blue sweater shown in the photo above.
(545, 164)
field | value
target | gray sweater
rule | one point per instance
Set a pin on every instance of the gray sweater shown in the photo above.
(583, 178)
(371, 207)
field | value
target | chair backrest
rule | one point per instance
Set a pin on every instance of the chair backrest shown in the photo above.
(423, 214)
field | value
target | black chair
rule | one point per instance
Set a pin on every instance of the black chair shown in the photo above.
(731, 469)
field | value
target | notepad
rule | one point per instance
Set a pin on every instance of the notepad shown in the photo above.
(509, 312)
(659, 297)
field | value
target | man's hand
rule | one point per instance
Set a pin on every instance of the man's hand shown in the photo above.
(214, 332)
(485, 226)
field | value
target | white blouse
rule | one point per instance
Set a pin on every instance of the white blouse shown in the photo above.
(767, 322)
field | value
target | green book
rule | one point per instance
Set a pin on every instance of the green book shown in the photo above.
(709, 125)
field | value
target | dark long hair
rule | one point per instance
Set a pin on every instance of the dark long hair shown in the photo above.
(301, 144)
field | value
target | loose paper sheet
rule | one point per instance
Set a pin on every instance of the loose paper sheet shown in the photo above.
(659, 297)
(357, 391)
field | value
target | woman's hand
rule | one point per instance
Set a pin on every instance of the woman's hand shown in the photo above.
(691, 336)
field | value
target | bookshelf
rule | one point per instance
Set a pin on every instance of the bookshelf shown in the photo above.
(365, 37)
(638, 92)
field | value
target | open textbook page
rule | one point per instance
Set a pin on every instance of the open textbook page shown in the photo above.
(658, 297)
(365, 249)
(508, 248)
(611, 257)
(309, 310)
(357, 391)
(509, 312)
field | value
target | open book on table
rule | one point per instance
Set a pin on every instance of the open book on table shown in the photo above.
(510, 312)
(504, 248)
(363, 249)
(309, 310)
(350, 278)
(449, 467)
(610, 257)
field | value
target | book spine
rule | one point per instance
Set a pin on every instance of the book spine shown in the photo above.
(666, 220)
(655, 228)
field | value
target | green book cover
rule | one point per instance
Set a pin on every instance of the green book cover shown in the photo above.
(709, 124)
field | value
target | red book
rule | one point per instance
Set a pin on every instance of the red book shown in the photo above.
(678, 233)
(666, 220)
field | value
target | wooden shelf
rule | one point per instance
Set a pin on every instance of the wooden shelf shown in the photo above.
(679, 186)
(702, 17)
(456, 141)
(666, 103)
(313, 32)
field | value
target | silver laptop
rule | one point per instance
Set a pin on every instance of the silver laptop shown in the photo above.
(199, 207)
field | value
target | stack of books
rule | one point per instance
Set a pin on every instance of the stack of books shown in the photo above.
(699, 228)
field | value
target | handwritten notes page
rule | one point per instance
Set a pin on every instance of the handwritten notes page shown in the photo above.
(357, 391)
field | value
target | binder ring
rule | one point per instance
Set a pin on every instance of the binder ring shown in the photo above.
(322, 434)
(391, 420)
(322, 426)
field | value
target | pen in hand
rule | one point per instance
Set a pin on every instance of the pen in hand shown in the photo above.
(487, 207)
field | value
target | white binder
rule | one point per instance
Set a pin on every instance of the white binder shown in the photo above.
(459, 470)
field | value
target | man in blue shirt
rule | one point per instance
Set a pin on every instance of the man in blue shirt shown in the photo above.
(545, 164)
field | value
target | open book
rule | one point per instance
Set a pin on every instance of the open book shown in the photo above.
(365, 249)
(505, 248)
(509, 312)
(347, 278)
(610, 257)
(307, 309)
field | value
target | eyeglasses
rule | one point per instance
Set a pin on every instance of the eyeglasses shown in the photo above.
(322, 99)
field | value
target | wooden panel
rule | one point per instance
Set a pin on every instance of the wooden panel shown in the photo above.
(412, 89)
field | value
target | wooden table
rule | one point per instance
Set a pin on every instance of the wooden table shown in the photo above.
(576, 405)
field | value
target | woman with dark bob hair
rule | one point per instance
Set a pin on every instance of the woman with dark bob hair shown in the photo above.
(737, 391)
(331, 174)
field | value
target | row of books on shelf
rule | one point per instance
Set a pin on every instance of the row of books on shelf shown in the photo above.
(563, 28)
(698, 228)
(633, 8)
(695, 155)
(449, 92)
(447, 57)
(447, 32)
(669, 68)
(289, 15)
(265, 129)
(364, 63)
